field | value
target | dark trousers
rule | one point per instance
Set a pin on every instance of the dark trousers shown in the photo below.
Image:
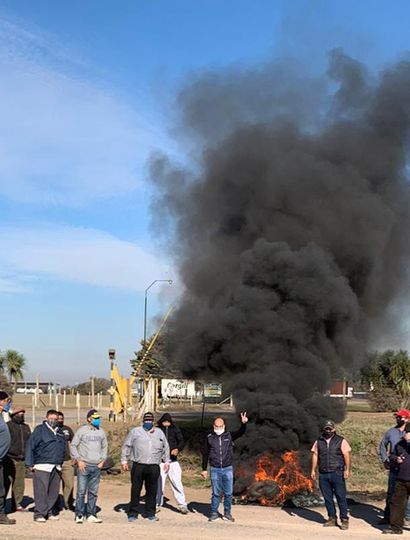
(2, 489)
(46, 488)
(147, 475)
(390, 490)
(15, 471)
(333, 484)
(398, 503)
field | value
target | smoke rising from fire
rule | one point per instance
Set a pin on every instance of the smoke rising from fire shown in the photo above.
(289, 228)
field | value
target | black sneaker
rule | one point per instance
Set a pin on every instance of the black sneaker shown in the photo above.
(213, 517)
(228, 517)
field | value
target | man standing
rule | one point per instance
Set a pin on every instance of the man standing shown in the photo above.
(89, 449)
(332, 453)
(400, 457)
(4, 448)
(387, 446)
(146, 447)
(67, 469)
(176, 443)
(15, 467)
(219, 452)
(44, 456)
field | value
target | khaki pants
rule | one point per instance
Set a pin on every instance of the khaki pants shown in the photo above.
(14, 473)
(67, 477)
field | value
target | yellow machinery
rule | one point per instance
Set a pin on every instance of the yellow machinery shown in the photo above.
(121, 387)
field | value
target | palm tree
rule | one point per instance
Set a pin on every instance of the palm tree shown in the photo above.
(13, 363)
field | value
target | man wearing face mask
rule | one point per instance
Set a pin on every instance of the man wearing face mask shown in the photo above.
(332, 453)
(5, 440)
(15, 467)
(67, 469)
(146, 447)
(386, 449)
(44, 456)
(89, 449)
(219, 452)
(400, 457)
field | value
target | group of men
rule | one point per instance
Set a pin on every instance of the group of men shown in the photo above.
(150, 453)
(331, 454)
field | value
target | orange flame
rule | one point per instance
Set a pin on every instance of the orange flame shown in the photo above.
(287, 475)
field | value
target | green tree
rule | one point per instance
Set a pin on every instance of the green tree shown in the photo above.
(158, 361)
(389, 371)
(13, 363)
(100, 385)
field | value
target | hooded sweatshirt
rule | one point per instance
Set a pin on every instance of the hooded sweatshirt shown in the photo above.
(172, 433)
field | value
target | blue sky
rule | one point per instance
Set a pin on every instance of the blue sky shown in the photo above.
(86, 95)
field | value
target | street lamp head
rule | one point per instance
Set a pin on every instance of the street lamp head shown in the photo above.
(170, 281)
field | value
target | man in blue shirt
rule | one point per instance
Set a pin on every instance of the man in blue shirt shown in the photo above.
(387, 446)
(4, 448)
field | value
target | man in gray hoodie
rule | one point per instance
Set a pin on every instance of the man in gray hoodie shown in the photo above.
(89, 449)
(146, 447)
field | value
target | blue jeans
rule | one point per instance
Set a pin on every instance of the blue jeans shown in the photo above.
(87, 483)
(333, 484)
(222, 483)
(390, 490)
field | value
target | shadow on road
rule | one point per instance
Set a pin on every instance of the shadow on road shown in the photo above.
(305, 513)
(199, 508)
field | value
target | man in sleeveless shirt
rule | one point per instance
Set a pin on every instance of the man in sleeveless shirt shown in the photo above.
(331, 453)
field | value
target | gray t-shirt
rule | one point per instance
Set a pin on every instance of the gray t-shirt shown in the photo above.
(89, 444)
(145, 447)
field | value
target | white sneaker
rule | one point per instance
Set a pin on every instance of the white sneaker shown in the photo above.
(79, 519)
(53, 517)
(94, 519)
(40, 519)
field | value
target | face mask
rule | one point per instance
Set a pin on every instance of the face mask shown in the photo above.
(52, 423)
(219, 431)
(148, 426)
(327, 434)
(19, 419)
(60, 424)
(7, 407)
(400, 422)
(96, 422)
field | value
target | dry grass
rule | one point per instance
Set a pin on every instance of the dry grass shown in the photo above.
(363, 430)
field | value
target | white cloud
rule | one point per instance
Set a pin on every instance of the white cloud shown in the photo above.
(77, 255)
(63, 139)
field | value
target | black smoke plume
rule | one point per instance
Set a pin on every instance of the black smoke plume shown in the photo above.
(290, 230)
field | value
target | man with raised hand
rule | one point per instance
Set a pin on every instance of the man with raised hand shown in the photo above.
(219, 452)
(146, 447)
(89, 449)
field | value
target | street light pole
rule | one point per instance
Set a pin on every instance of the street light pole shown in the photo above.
(146, 302)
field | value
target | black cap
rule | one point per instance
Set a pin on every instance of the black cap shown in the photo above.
(329, 424)
(148, 417)
(3, 395)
